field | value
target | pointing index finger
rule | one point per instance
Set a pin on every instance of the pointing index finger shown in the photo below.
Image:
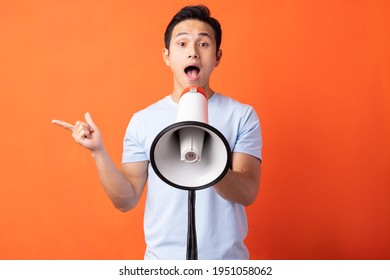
(65, 125)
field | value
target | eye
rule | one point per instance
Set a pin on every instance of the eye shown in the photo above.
(203, 44)
(181, 44)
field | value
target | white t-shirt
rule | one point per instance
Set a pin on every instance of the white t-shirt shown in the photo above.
(221, 225)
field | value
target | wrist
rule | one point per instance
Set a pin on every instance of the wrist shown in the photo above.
(99, 152)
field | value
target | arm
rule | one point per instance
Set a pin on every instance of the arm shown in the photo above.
(124, 187)
(241, 184)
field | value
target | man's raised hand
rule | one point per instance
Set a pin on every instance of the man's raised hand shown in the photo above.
(85, 133)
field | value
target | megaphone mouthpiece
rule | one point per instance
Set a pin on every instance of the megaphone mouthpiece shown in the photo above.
(194, 89)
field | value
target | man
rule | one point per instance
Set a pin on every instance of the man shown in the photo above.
(192, 51)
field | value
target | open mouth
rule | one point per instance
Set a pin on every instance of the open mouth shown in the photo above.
(192, 72)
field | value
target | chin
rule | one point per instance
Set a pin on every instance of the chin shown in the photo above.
(196, 82)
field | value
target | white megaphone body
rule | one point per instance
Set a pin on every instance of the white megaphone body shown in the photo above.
(190, 154)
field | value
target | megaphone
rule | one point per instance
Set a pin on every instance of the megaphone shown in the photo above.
(191, 154)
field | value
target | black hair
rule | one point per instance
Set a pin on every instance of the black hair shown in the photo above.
(199, 12)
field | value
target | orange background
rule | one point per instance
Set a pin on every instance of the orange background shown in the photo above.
(317, 73)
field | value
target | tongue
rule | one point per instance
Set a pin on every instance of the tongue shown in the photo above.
(192, 74)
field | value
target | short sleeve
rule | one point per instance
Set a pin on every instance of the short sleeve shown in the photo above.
(133, 150)
(249, 140)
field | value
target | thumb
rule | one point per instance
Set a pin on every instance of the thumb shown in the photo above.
(89, 121)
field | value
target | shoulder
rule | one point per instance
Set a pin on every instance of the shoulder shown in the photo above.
(226, 104)
(159, 111)
(163, 104)
(152, 119)
(220, 99)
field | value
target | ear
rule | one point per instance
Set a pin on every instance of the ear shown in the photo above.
(165, 54)
(219, 56)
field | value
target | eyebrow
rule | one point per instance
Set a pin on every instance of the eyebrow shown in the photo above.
(202, 34)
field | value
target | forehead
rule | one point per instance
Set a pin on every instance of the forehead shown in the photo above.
(192, 27)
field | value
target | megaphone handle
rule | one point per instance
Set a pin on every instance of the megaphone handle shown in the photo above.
(192, 246)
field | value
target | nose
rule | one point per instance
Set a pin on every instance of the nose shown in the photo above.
(193, 52)
(193, 56)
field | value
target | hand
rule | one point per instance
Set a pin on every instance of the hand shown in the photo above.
(86, 133)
